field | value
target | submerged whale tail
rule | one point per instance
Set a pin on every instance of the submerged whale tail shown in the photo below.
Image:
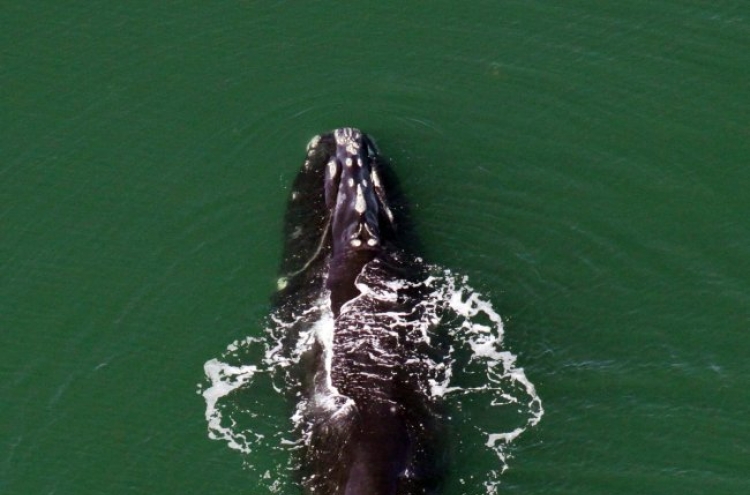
(356, 452)
(379, 457)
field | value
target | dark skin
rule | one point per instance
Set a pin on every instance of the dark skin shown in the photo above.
(333, 234)
(342, 275)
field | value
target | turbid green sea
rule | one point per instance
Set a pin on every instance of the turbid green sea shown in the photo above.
(584, 162)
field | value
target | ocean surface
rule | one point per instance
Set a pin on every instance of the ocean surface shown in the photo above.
(584, 163)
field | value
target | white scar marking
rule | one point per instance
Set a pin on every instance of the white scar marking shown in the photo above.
(372, 242)
(367, 228)
(358, 232)
(360, 206)
(313, 143)
(351, 182)
(295, 195)
(347, 138)
(332, 168)
(356, 242)
(346, 135)
(375, 178)
(364, 182)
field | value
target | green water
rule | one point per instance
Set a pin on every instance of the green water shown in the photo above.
(584, 162)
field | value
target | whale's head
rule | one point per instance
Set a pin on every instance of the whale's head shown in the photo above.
(354, 195)
(359, 217)
(338, 212)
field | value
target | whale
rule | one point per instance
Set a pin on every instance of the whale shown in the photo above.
(368, 425)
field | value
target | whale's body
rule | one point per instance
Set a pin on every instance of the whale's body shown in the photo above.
(368, 421)
(387, 361)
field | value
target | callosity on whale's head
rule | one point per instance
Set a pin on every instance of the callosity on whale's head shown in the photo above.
(354, 194)
(337, 214)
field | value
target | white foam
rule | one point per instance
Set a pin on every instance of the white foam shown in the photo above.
(475, 332)
(477, 326)
(225, 379)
